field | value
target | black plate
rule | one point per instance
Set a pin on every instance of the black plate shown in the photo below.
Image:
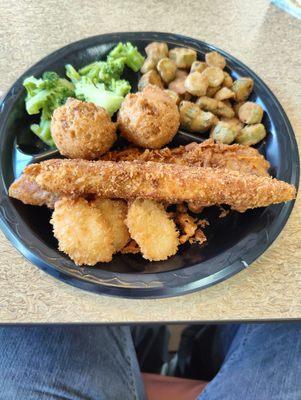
(233, 242)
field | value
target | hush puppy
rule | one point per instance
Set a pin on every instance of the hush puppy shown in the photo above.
(82, 130)
(149, 119)
(151, 227)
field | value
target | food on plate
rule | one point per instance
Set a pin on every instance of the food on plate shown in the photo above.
(228, 81)
(99, 82)
(251, 134)
(115, 212)
(214, 59)
(82, 130)
(82, 231)
(242, 88)
(224, 132)
(250, 113)
(161, 182)
(167, 69)
(27, 190)
(196, 84)
(173, 95)
(150, 78)
(156, 50)
(145, 199)
(149, 118)
(243, 159)
(214, 75)
(182, 56)
(148, 65)
(153, 230)
(45, 95)
(198, 66)
(224, 93)
(194, 119)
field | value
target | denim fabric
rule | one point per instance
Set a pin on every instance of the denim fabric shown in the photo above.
(260, 362)
(74, 363)
(257, 362)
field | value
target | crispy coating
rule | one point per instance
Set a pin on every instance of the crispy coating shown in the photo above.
(207, 154)
(162, 182)
(26, 189)
(115, 211)
(149, 119)
(152, 229)
(82, 231)
(82, 130)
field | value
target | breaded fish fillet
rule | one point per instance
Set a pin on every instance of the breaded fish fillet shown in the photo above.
(235, 157)
(162, 182)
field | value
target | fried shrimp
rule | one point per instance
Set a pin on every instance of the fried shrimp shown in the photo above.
(114, 211)
(153, 230)
(82, 231)
(82, 130)
(162, 182)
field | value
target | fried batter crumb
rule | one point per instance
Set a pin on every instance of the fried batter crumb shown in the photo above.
(223, 212)
(131, 248)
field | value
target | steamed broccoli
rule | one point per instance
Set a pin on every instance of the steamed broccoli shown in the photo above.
(46, 94)
(86, 90)
(133, 59)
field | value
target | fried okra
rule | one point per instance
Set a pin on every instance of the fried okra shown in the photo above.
(194, 119)
(196, 84)
(214, 59)
(251, 134)
(150, 78)
(183, 57)
(224, 132)
(242, 88)
(156, 50)
(167, 69)
(250, 113)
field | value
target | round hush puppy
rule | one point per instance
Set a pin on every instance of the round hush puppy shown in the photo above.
(149, 119)
(82, 130)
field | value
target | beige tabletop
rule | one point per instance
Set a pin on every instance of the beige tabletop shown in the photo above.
(256, 32)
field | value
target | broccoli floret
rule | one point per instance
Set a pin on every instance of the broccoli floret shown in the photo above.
(121, 87)
(46, 94)
(72, 74)
(97, 94)
(133, 59)
(42, 130)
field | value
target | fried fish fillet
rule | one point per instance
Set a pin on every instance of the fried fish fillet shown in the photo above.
(28, 191)
(171, 183)
(235, 157)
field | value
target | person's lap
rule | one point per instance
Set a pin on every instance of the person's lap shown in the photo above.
(90, 362)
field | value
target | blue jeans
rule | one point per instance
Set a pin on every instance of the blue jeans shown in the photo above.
(258, 361)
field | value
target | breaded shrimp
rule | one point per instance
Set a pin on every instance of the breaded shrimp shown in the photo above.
(114, 211)
(153, 230)
(82, 231)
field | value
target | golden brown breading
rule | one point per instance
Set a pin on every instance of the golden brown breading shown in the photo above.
(26, 189)
(149, 118)
(235, 157)
(82, 130)
(162, 182)
(82, 231)
(114, 211)
(150, 226)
